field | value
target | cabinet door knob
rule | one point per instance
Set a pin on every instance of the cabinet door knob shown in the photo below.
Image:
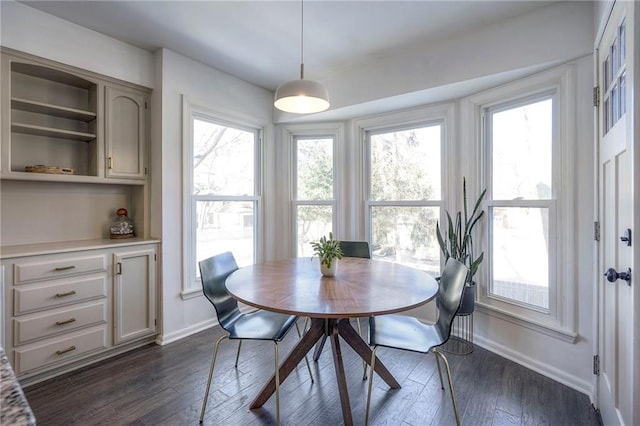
(68, 293)
(110, 163)
(69, 321)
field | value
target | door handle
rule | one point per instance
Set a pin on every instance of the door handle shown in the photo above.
(626, 237)
(613, 275)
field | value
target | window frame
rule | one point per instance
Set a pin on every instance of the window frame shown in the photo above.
(559, 321)
(191, 284)
(290, 133)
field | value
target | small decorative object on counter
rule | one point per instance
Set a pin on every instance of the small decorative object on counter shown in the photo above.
(122, 227)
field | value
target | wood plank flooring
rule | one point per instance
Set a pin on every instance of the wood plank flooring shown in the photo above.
(157, 385)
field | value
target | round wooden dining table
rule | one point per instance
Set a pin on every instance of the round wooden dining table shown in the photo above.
(360, 288)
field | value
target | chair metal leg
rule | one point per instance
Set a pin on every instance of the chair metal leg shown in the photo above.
(319, 346)
(277, 365)
(453, 396)
(373, 367)
(439, 373)
(364, 364)
(238, 354)
(213, 364)
(305, 357)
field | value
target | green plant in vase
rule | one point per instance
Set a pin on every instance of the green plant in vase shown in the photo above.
(457, 242)
(328, 251)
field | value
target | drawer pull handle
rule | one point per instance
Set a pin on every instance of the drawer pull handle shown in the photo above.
(64, 351)
(69, 321)
(65, 268)
(69, 293)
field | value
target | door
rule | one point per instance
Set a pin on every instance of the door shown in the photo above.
(125, 133)
(134, 295)
(615, 295)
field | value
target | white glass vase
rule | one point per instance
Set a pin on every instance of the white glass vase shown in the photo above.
(329, 272)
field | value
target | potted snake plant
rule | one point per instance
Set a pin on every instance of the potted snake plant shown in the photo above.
(457, 242)
(328, 251)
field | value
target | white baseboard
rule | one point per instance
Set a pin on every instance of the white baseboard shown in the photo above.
(185, 332)
(542, 368)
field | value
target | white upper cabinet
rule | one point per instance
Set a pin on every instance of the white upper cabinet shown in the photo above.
(63, 124)
(125, 133)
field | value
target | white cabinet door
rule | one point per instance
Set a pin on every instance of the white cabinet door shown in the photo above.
(134, 294)
(125, 133)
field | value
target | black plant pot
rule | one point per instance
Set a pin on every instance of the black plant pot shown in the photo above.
(468, 303)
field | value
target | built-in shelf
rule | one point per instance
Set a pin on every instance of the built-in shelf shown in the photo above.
(51, 132)
(51, 177)
(51, 74)
(54, 110)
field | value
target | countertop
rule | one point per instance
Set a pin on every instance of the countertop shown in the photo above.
(14, 408)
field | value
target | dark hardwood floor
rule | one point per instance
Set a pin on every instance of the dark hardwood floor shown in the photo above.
(164, 386)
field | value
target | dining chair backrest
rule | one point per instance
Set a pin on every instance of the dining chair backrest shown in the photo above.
(355, 249)
(213, 273)
(449, 295)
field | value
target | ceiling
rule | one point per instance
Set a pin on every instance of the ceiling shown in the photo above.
(259, 41)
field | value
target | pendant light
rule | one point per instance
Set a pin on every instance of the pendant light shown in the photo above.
(301, 96)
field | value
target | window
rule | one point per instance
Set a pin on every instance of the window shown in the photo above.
(520, 136)
(527, 153)
(222, 191)
(314, 193)
(614, 70)
(404, 194)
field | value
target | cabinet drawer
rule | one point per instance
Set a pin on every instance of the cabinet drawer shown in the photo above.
(60, 350)
(41, 326)
(31, 298)
(50, 269)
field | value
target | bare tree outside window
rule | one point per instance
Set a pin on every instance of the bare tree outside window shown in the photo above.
(223, 190)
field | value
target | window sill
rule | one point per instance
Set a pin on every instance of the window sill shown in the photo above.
(552, 331)
(191, 293)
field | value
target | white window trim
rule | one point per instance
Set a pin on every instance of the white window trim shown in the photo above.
(191, 285)
(307, 131)
(560, 322)
(443, 114)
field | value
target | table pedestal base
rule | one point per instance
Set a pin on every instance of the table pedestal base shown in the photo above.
(331, 328)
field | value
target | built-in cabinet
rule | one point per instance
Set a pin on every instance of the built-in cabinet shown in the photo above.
(125, 114)
(73, 151)
(68, 302)
(134, 294)
(70, 125)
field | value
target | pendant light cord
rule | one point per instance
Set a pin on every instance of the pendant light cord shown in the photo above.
(301, 39)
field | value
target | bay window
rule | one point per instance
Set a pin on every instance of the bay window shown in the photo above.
(314, 198)
(404, 193)
(526, 155)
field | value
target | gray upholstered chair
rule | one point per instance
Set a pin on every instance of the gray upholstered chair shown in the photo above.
(407, 333)
(256, 325)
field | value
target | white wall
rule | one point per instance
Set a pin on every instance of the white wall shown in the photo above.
(29, 30)
(218, 91)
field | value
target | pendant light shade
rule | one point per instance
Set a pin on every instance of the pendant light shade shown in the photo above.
(301, 96)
